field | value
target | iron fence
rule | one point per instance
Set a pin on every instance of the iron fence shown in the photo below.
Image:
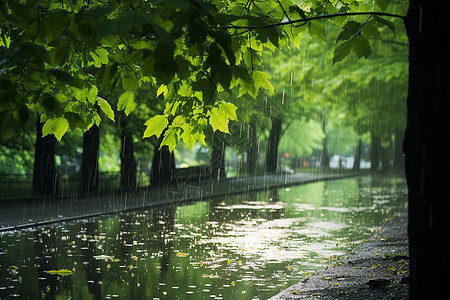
(21, 185)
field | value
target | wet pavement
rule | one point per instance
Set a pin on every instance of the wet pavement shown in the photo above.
(376, 269)
(30, 212)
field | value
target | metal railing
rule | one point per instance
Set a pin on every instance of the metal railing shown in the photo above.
(21, 185)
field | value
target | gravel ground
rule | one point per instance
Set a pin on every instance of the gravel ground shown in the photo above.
(376, 269)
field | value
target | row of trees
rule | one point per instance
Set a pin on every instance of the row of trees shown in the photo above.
(186, 70)
(309, 98)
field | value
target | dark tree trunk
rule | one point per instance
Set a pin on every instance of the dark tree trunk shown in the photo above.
(426, 149)
(218, 156)
(89, 166)
(252, 151)
(127, 163)
(163, 166)
(44, 173)
(324, 156)
(272, 145)
(358, 156)
(375, 153)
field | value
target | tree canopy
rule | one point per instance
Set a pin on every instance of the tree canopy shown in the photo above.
(60, 58)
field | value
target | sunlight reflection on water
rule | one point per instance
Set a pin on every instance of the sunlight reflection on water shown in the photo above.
(243, 246)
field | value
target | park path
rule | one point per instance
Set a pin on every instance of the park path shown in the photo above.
(30, 212)
(377, 269)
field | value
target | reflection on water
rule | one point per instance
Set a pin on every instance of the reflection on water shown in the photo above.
(239, 247)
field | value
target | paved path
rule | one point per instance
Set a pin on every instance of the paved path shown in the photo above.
(377, 269)
(24, 213)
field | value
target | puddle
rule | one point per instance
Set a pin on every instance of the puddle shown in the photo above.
(232, 248)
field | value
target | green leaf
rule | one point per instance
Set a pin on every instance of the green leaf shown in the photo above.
(206, 86)
(386, 23)
(100, 57)
(170, 138)
(92, 94)
(189, 138)
(56, 126)
(50, 104)
(220, 115)
(228, 110)
(162, 90)
(342, 51)
(66, 78)
(217, 120)
(223, 38)
(105, 107)
(75, 121)
(383, 4)
(316, 29)
(268, 34)
(192, 134)
(262, 79)
(155, 126)
(126, 101)
(220, 71)
(370, 31)
(362, 47)
(350, 29)
(129, 82)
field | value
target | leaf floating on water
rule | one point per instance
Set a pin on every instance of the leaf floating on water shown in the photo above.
(62, 272)
(13, 270)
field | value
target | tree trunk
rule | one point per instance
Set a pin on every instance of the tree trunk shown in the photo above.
(272, 145)
(218, 156)
(358, 155)
(324, 156)
(44, 172)
(89, 166)
(163, 166)
(252, 150)
(375, 149)
(127, 163)
(426, 150)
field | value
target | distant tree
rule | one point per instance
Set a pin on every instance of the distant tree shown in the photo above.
(89, 166)
(44, 172)
(162, 172)
(127, 158)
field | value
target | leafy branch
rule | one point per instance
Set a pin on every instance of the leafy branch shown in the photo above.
(304, 20)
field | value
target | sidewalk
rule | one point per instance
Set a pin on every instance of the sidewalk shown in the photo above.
(377, 269)
(30, 212)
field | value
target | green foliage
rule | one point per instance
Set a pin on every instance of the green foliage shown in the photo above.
(58, 57)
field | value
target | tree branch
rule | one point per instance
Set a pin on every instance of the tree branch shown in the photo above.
(328, 16)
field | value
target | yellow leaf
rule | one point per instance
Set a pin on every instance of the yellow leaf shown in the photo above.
(62, 272)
